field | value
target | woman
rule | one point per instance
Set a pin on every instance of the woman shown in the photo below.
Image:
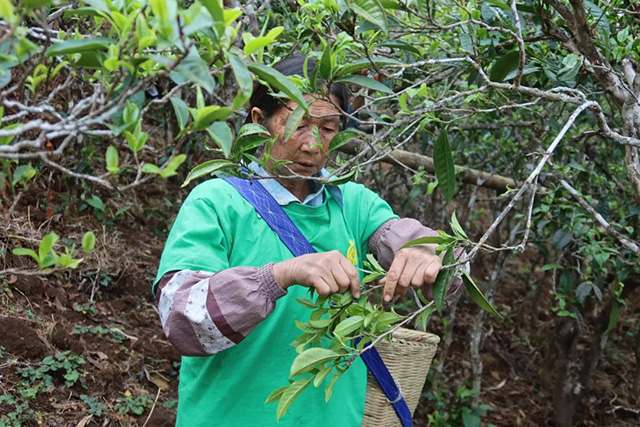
(227, 285)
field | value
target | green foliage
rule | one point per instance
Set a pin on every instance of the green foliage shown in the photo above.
(99, 208)
(37, 378)
(325, 347)
(372, 11)
(343, 137)
(367, 82)
(191, 44)
(15, 174)
(290, 394)
(46, 257)
(308, 359)
(85, 308)
(443, 281)
(436, 78)
(168, 170)
(130, 404)
(18, 411)
(252, 44)
(447, 243)
(171, 404)
(293, 122)
(94, 405)
(109, 333)
(79, 45)
(181, 111)
(88, 242)
(443, 164)
(454, 408)
(477, 296)
(276, 80)
(112, 160)
(43, 257)
(136, 139)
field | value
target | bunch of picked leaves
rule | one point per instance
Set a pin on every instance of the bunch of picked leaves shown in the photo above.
(340, 327)
(326, 346)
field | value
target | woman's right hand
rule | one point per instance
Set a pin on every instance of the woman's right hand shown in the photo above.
(327, 272)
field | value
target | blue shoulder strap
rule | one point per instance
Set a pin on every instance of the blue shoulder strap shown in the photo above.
(269, 209)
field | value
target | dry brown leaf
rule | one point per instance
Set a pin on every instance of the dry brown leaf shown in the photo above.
(83, 422)
(95, 363)
(160, 382)
(498, 386)
(120, 331)
(59, 305)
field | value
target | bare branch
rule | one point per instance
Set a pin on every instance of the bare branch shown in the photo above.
(629, 244)
(522, 55)
(529, 181)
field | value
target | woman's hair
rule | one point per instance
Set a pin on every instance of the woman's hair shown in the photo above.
(291, 66)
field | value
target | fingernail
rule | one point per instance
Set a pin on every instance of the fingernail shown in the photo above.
(387, 298)
(357, 295)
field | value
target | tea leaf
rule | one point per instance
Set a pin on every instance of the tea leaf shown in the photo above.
(477, 296)
(290, 394)
(308, 359)
(443, 164)
(276, 394)
(293, 122)
(348, 326)
(88, 241)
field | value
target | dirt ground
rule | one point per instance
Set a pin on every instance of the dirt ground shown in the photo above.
(85, 347)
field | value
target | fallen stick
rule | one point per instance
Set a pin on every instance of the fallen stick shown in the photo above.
(467, 175)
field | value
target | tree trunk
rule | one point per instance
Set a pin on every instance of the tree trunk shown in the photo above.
(564, 398)
(636, 382)
(572, 381)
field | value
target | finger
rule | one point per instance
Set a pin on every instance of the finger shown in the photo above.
(321, 287)
(394, 273)
(432, 270)
(341, 277)
(330, 281)
(409, 270)
(418, 277)
(354, 279)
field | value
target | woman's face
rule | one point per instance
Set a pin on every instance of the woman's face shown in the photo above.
(308, 156)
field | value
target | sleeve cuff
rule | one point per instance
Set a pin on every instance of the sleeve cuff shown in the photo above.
(267, 282)
(376, 237)
(390, 236)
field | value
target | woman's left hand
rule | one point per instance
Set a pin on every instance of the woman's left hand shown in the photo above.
(413, 266)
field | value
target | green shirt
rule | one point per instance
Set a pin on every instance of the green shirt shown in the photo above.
(216, 229)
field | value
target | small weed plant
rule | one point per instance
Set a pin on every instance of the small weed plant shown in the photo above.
(47, 257)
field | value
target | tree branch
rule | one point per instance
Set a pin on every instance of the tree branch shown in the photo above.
(632, 246)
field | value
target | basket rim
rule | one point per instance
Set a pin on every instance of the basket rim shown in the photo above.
(417, 336)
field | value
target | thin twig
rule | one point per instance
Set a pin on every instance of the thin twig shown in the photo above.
(152, 408)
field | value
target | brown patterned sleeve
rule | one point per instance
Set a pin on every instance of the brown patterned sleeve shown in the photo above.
(203, 313)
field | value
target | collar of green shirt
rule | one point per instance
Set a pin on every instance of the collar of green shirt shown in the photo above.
(284, 196)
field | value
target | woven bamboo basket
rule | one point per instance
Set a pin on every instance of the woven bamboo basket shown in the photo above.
(408, 357)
